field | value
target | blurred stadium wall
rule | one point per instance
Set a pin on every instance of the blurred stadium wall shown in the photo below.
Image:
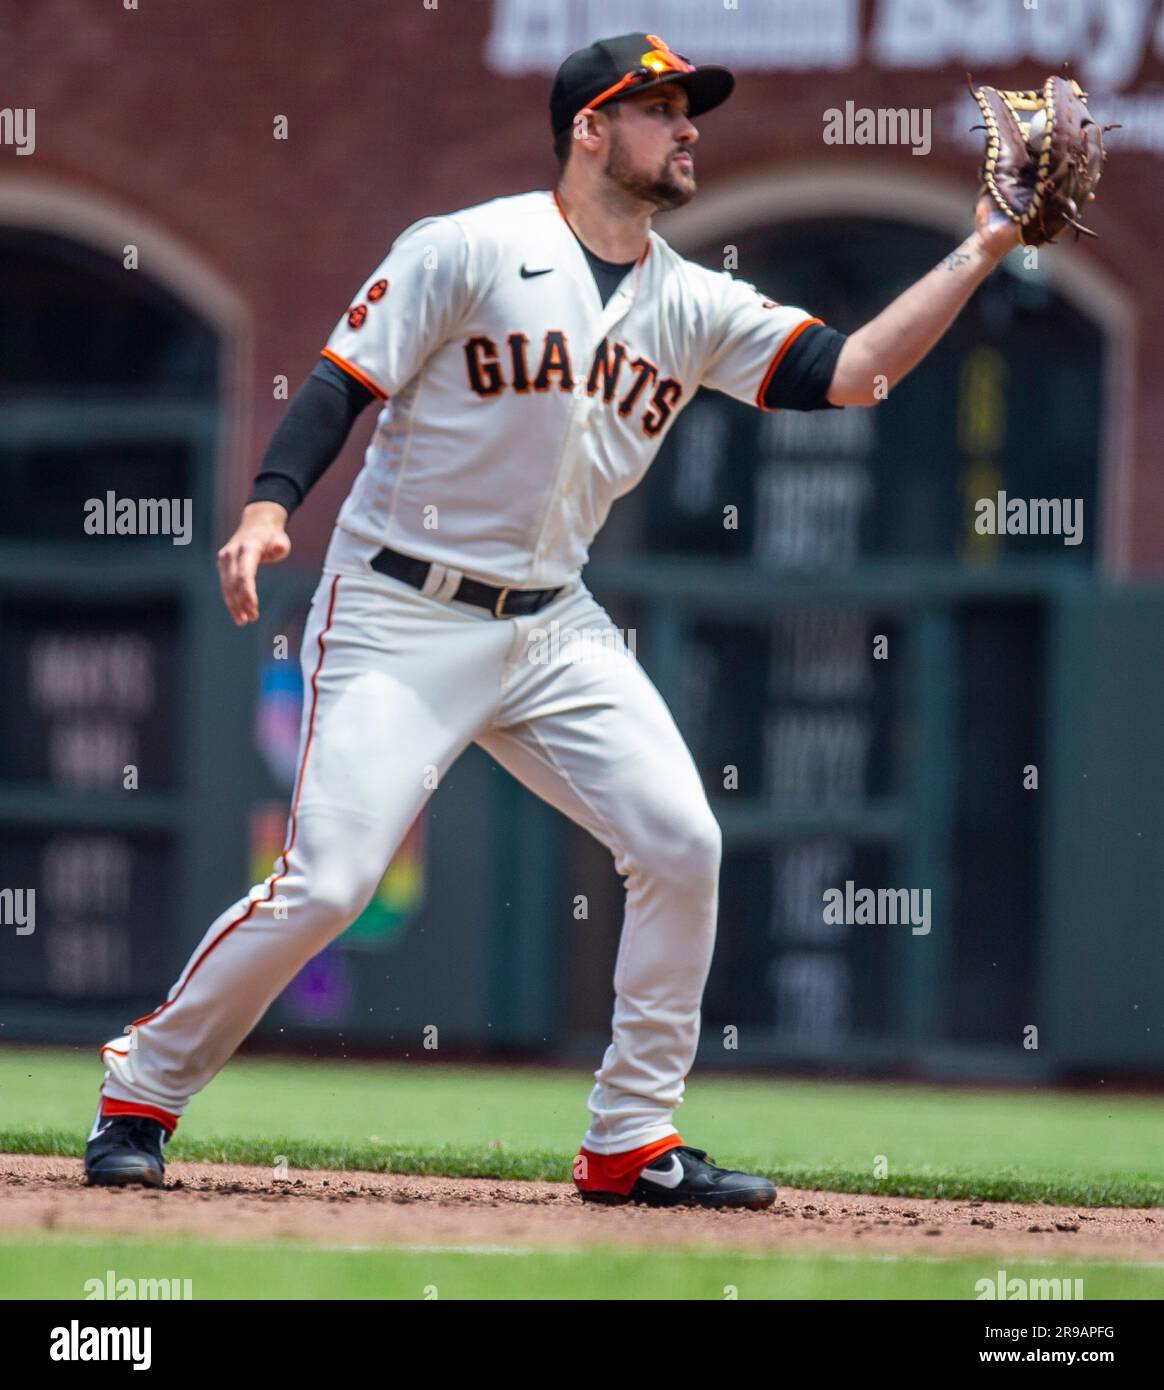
(876, 693)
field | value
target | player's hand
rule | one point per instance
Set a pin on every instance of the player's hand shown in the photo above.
(996, 232)
(259, 540)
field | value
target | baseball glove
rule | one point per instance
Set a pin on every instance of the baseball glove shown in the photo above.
(1044, 156)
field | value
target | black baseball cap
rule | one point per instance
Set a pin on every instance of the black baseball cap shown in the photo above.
(613, 68)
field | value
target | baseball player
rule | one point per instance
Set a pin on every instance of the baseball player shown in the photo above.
(527, 356)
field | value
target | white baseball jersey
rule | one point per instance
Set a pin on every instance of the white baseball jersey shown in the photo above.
(517, 407)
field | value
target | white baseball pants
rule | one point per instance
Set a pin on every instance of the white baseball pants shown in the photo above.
(397, 684)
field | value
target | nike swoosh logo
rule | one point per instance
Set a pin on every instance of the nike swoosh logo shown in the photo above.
(527, 274)
(670, 1177)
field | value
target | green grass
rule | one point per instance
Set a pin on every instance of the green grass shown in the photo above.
(425, 1117)
(52, 1266)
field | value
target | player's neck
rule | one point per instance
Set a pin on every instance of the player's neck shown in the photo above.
(615, 228)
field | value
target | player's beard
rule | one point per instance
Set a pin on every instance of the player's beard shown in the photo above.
(662, 188)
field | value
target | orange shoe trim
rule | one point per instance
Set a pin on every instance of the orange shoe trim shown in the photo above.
(619, 1172)
(109, 1106)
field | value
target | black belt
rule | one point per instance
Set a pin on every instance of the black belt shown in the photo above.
(502, 603)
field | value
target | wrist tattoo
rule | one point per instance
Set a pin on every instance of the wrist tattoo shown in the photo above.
(955, 259)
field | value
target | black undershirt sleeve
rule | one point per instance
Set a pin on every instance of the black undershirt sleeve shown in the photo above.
(803, 378)
(310, 435)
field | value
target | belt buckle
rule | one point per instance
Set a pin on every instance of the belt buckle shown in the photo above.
(501, 597)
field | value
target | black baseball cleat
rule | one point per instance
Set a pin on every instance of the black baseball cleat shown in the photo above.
(686, 1177)
(126, 1149)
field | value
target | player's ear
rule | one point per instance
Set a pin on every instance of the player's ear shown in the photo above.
(586, 129)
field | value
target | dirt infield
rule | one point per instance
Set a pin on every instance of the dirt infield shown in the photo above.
(227, 1202)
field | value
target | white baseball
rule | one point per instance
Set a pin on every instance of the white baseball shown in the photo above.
(1036, 129)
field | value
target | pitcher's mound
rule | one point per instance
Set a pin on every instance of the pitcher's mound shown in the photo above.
(231, 1202)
